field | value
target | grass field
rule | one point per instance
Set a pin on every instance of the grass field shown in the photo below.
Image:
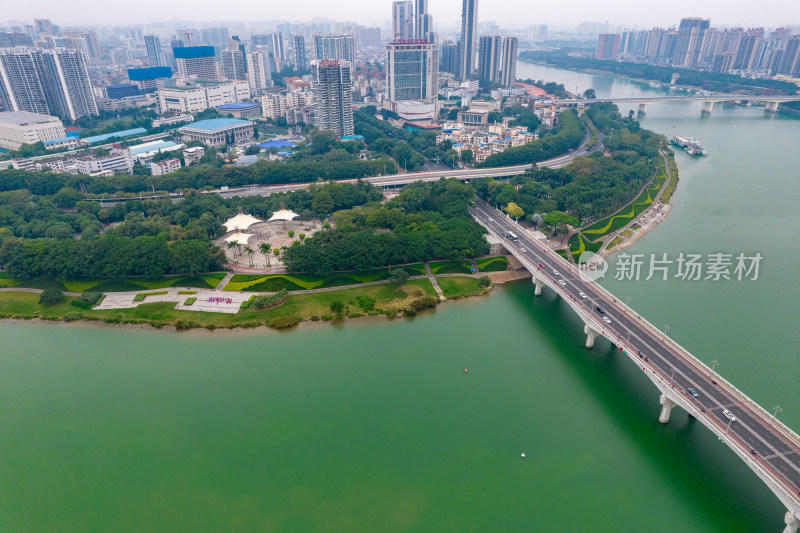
(578, 245)
(202, 281)
(457, 287)
(492, 264)
(301, 282)
(451, 267)
(388, 299)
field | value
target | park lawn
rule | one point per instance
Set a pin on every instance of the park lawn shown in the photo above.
(451, 267)
(302, 282)
(201, 281)
(417, 269)
(458, 287)
(614, 243)
(303, 306)
(578, 245)
(492, 264)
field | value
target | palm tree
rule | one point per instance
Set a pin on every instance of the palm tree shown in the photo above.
(234, 245)
(249, 251)
(265, 249)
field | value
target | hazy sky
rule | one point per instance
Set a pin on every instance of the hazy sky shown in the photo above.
(644, 13)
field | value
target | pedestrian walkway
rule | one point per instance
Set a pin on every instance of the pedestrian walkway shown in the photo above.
(225, 280)
(429, 275)
(207, 300)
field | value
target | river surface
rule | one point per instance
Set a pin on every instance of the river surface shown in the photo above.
(375, 426)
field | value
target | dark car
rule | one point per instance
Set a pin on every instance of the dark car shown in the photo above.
(600, 310)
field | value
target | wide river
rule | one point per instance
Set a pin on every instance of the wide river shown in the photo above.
(375, 426)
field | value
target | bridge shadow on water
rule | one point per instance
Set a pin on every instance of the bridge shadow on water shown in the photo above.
(699, 469)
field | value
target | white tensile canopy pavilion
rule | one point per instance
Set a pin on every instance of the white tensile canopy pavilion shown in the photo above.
(239, 237)
(240, 221)
(283, 214)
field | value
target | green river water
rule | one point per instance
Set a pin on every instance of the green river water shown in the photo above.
(374, 426)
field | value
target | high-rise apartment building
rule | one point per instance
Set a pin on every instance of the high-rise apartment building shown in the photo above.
(196, 61)
(50, 82)
(509, 64)
(747, 49)
(335, 46)
(790, 59)
(469, 35)
(334, 97)
(423, 22)
(402, 20)
(300, 60)
(153, 46)
(44, 27)
(608, 47)
(490, 49)
(689, 43)
(259, 71)
(233, 61)
(448, 61)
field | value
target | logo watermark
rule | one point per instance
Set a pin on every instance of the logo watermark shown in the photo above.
(687, 267)
(592, 266)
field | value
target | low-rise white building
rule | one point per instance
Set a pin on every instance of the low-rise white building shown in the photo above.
(174, 119)
(164, 167)
(196, 98)
(193, 154)
(218, 131)
(118, 159)
(20, 127)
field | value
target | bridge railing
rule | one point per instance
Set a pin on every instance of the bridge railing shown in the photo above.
(767, 417)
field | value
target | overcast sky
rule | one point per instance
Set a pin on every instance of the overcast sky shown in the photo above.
(639, 13)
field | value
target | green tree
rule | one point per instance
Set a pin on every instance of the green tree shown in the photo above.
(249, 251)
(264, 248)
(51, 296)
(399, 276)
(589, 93)
(322, 205)
(233, 245)
(467, 156)
(337, 307)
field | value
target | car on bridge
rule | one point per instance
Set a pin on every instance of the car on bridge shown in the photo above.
(729, 415)
(582, 295)
(606, 320)
(692, 392)
(562, 283)
(600, 310)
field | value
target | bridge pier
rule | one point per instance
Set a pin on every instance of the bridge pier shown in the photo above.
(792, 523)
(772, 107)
(591, 335)
(666, 410)
(538, 284)
(642, 109)
(707, 108)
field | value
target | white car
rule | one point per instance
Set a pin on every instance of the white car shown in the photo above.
(582, 295)
(555, 273)
(729, 415)
(606, 320)
(562, 282)
(523, 250)
(491, 219)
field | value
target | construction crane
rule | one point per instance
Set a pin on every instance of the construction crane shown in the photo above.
(188, 35)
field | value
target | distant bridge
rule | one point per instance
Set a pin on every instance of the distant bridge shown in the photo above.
(771, 102)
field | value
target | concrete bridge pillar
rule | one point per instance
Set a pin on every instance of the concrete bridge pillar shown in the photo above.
(792, 523)
(538, 284)
(772, 107)
(591, 335)
(666, 410)
(642, 109)
(707, 108)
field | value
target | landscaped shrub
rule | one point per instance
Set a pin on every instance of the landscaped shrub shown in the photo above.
(69, 317)
(485, 281)
(261, 303)
(283, 322)
(190, 301)
(425, 302)
(366, 303)
(51, 296)
(314, 318)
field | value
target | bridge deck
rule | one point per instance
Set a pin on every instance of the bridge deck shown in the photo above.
(769, 448)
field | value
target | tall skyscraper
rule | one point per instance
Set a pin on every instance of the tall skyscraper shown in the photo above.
(423, 22)
(689, 43)
(790, 59)
(333, 95)
(746, 51)
(259, 70)
(233, 61)
(50, 82)
(469, 35)
(153, 46)
(608, 47)
(402, 20)
(196, 61)
(278, 49)
(509, 64)
(449, 57)
(489, 56)
(300, 61)
(44, 27)
(335, 47)
(412, 71)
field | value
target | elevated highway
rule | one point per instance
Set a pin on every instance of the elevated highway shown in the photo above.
(768, 447)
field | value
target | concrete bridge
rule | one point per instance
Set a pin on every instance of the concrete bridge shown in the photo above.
(771, 102)
(768, 447)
